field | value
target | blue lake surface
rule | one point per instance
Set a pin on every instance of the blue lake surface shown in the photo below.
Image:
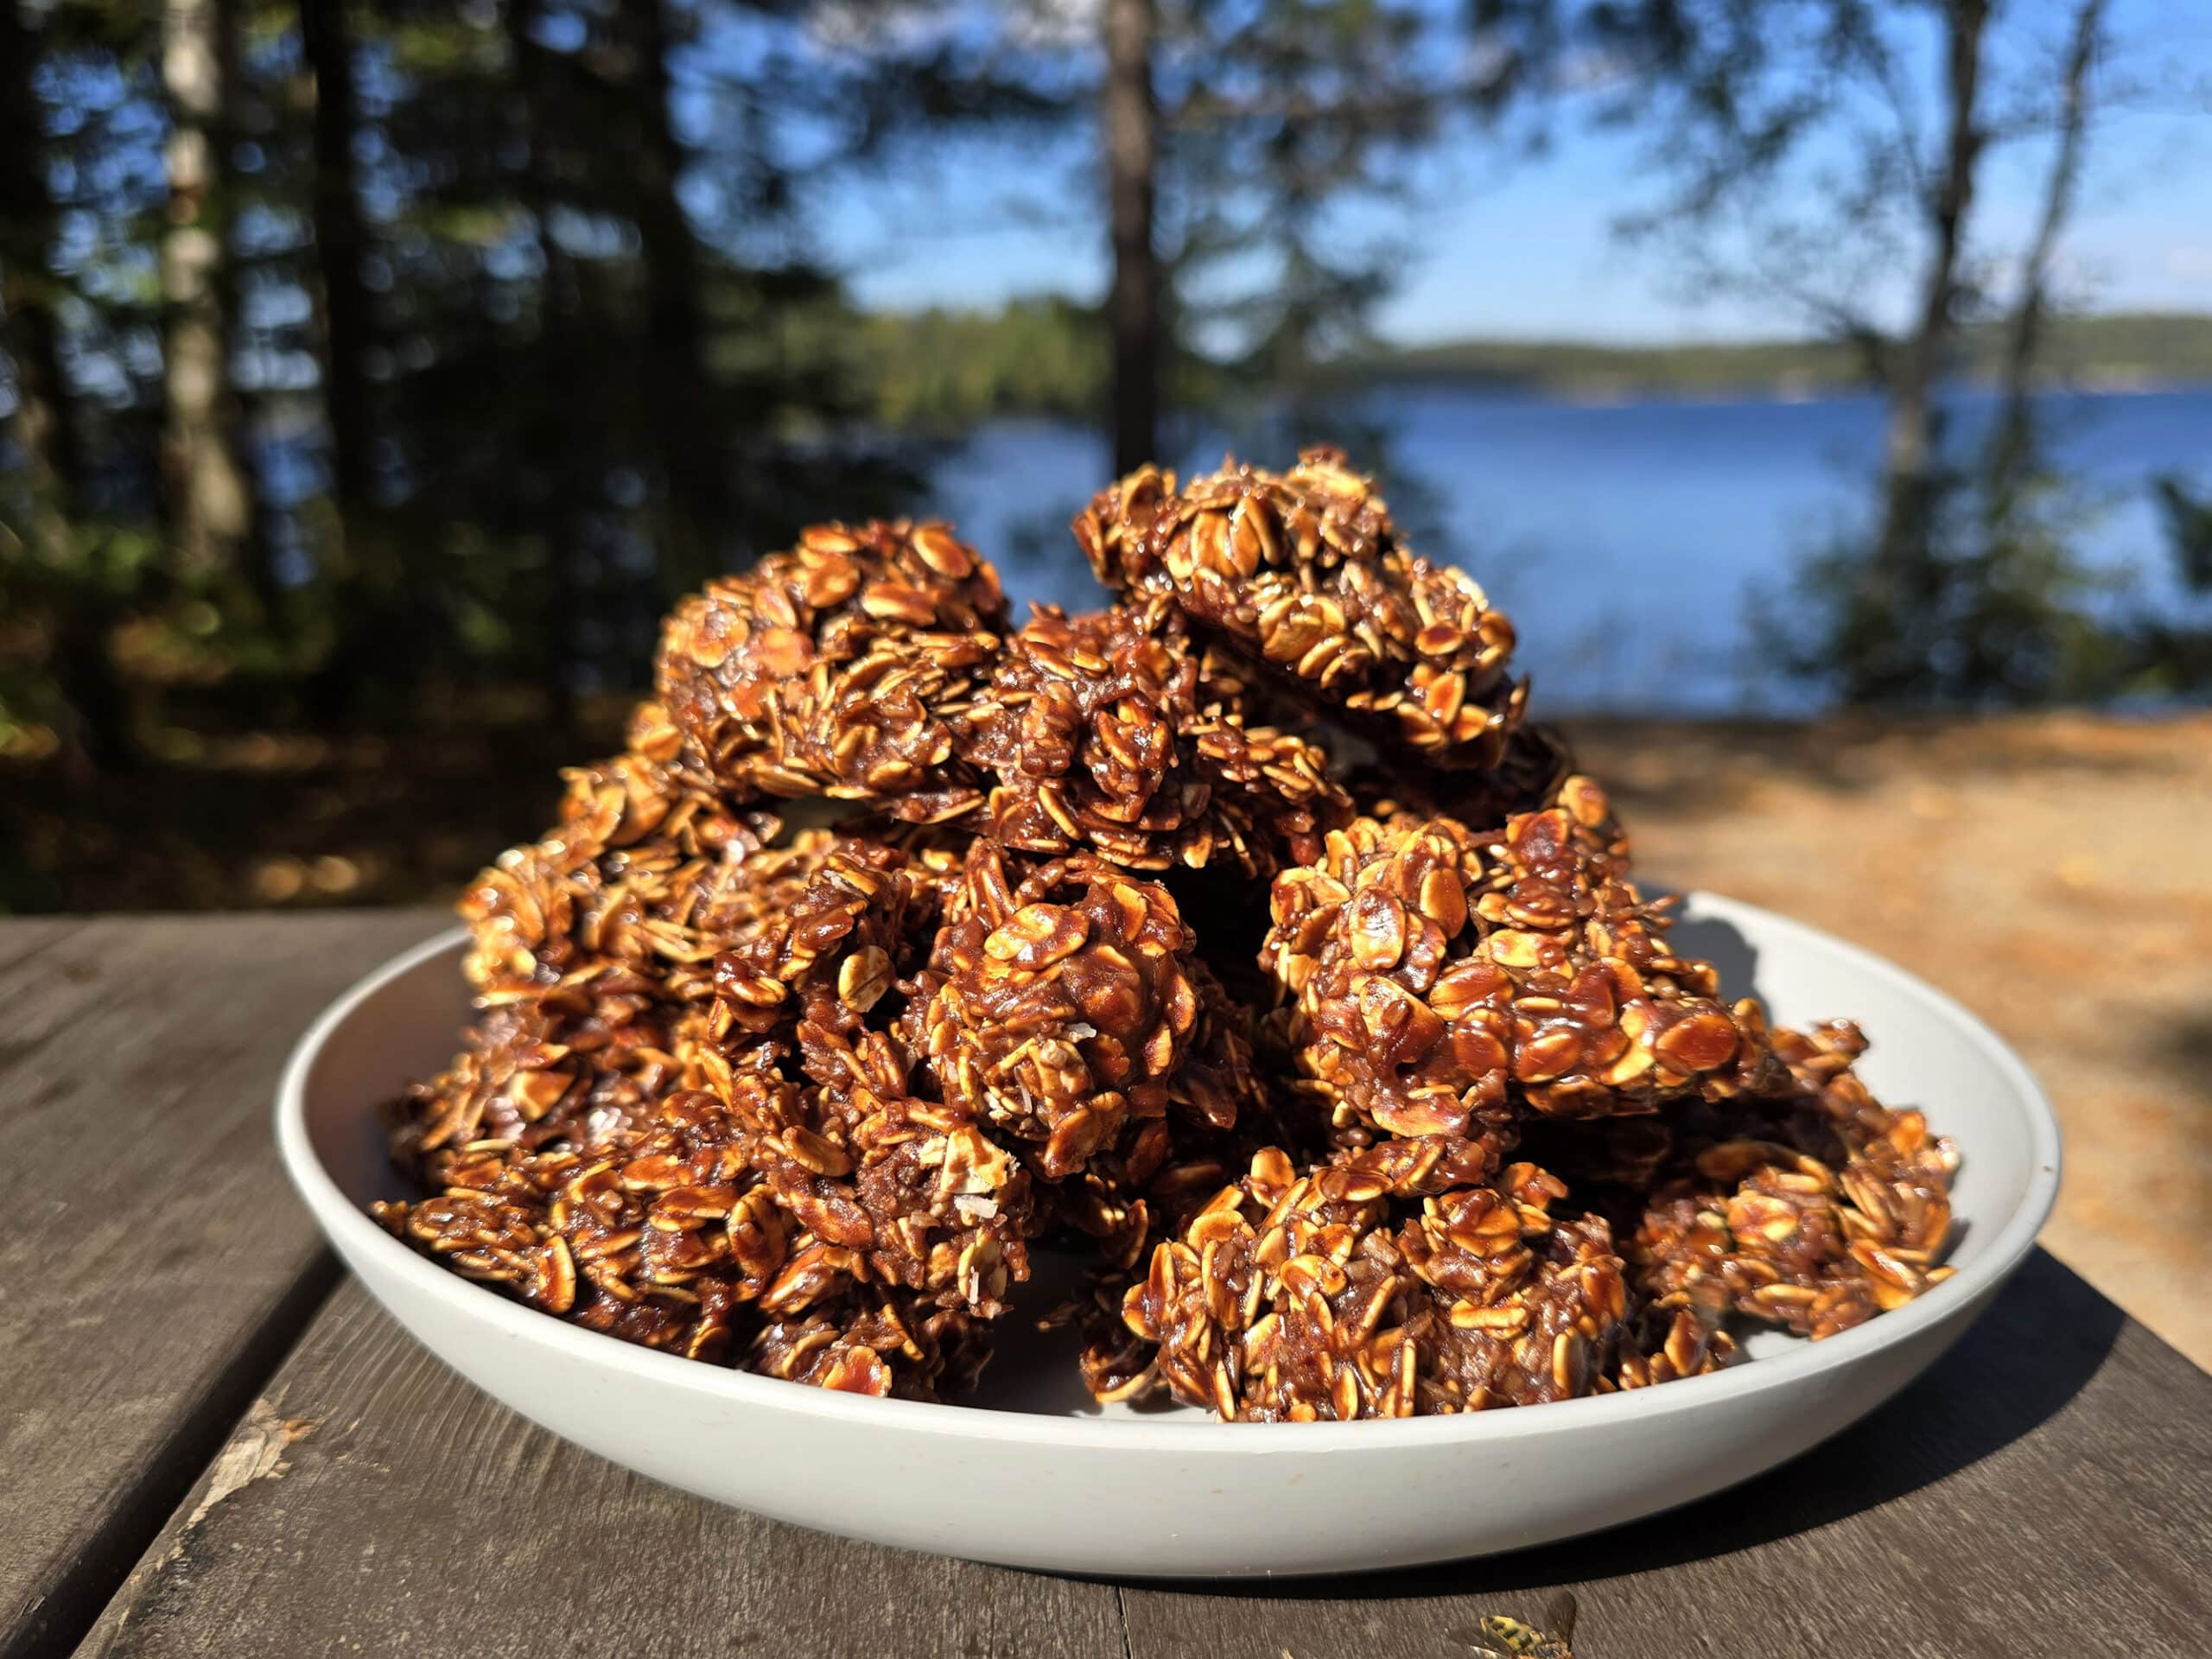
(1625, 540)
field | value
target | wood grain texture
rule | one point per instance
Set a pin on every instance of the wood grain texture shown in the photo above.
(155, 1263)
(22, 938)
(2052, 1477)
(373, 1502)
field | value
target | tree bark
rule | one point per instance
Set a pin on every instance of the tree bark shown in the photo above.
(1905, 578)
(257, 548)
(2012, 438)
(210, 511)
(41, 426)
(1905, 565)
(341, 242)
(1133, 306)
(679, 396)
(549, 505)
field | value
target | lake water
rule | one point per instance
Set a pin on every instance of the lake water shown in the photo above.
(1624, 540)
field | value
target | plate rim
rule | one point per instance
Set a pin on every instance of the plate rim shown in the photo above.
(352, 1232)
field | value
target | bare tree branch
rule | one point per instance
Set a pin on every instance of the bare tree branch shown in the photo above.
(2010, 444)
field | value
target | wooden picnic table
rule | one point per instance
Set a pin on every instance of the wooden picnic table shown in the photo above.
(214, 1443)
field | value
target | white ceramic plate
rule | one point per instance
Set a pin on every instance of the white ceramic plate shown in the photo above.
(1033, 1475)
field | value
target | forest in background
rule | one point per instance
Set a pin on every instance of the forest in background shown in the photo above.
(376, 373)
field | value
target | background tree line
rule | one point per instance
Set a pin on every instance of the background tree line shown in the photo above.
(375, 372)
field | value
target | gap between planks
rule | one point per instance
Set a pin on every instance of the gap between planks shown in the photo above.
(125, 1367)
(55, 1625)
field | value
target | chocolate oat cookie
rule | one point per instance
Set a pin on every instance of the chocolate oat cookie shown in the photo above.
(1060, 1003)
(1304, 571)
(802, 1046)
(1294, 1297)
(783, 1181)
(1810, 1205)
(1156, 1169)
(660, 1239)
(1442, 981)
(874, 1345)
(1114, 732)
(584, 957)
(840, 668)
(674, 1241)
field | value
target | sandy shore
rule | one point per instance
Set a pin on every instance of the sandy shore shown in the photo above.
(2053, 873)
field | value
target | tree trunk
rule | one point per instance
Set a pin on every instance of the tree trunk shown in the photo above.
(1132, 120)
(41, 426)
(341, 241)
(679, 397)
(258, 546)
(2011, 441)
(546, 501)
(210, 513)
(1904, 563)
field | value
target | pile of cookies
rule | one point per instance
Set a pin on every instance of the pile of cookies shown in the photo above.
(1241, 935)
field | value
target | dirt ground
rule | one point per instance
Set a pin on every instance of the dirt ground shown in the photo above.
(2053, 873)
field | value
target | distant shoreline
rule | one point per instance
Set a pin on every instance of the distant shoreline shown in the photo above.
(945, 371)
(1616, 394)
(2132, 353)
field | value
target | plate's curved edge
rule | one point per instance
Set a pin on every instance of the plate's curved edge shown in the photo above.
(351, 1231)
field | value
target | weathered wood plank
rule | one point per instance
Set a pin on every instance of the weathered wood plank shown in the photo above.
(2046, 1489)
(24, 938)
(155, 1266)
(373, 1502)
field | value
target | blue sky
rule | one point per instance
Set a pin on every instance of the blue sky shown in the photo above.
(1521, 245)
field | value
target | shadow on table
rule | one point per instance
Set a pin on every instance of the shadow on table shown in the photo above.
(2035, 1348)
